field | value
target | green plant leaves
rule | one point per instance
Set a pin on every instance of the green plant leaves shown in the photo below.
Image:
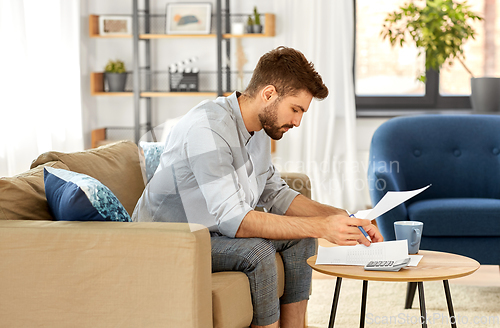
(115, 67)
(438, 27)
(256, 15)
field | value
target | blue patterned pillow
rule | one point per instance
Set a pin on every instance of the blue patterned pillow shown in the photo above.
(77, 197)
(152, 153)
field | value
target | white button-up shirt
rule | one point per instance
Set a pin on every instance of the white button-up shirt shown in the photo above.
(213, 172)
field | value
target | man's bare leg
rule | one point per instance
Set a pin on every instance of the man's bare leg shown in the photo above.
(293, 314)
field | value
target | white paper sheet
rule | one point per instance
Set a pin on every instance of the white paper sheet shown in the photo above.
(415, 259)
(390, 200)
(361, 254)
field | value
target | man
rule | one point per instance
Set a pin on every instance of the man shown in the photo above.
(216, 168)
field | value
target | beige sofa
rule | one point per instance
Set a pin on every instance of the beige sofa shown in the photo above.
(110, 274)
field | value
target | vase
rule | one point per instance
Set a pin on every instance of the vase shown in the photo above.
(116, 81)
(485, 94)
(257, 28)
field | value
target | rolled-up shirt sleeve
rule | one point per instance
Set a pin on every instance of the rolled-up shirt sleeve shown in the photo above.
(277, 195)
(211, 161)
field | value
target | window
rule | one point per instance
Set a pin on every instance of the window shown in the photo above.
(385, 76)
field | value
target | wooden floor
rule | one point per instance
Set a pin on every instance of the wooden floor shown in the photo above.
(487, 275)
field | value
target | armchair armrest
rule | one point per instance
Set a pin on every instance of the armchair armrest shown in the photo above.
(104, 274)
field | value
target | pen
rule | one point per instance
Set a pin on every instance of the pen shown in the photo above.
(362, 230)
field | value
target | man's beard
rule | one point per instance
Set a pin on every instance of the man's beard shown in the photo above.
(268, 119)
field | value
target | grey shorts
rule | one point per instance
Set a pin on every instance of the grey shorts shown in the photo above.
(256, 258)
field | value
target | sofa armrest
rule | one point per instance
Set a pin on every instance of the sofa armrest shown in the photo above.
(104, 274)
(298, 181)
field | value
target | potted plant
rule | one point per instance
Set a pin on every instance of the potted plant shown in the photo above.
(116, 75)
(257, 27)
(439, 28)
(250, 24)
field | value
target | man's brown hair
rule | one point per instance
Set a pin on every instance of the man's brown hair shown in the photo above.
(289, 72)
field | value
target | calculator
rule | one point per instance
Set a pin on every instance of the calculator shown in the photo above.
(387, 265)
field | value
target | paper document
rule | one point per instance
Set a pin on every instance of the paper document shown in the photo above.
(415, 259)
(390, 200)
(361, 254)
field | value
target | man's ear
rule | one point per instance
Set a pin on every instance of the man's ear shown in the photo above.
(268, 93)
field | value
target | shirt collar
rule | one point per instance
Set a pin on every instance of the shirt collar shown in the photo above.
(235, 106)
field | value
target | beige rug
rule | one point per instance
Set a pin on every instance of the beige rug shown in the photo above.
(475, 306)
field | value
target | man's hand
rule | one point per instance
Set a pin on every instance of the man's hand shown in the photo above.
(373, 232)
(343, 230)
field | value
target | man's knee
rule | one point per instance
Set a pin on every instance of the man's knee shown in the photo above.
(309, 245)
(261, 253)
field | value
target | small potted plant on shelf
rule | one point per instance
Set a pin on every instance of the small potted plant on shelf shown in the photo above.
(257, 27)
(116, 75)
(250, 24)
(439, 28)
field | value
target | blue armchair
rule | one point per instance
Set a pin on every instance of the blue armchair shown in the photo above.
(460, 156)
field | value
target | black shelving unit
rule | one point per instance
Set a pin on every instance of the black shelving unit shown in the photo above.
(148, 80)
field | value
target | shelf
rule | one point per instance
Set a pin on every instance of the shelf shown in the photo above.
(147, 94)
(113, 94)
(269, 31)
(155, 84)
(97, 89)
(176, 36)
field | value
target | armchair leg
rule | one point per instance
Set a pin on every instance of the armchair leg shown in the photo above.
(410, 294)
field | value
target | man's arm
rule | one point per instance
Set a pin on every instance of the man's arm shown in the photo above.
(339, 229)
(306, 218)
(303, 206)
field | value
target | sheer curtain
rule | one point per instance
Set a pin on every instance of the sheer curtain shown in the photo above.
(40, 99)
(324, 146)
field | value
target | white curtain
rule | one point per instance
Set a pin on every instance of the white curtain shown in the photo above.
(324, 146)
(40, 98)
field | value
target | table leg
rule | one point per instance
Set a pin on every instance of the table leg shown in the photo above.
(423, 312)
(363, 304)
(335, 302)
(450, 304)
(410, 294)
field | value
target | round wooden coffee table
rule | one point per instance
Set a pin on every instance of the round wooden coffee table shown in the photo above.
(433, 266)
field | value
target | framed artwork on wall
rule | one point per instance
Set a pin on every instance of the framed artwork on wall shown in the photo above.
(113, 25)
(188, 18)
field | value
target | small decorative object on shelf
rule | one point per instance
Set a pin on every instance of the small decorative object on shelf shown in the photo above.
(182, 78)
(257, 27)
(250, 24)
(237, 28)
(115, 25)
(116, 76)
(188, 18)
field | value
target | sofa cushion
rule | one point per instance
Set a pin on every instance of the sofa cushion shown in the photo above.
(22, 197)
(77, 197)
(150, 153)
(115, 165)
(457, 216)
(231, 298)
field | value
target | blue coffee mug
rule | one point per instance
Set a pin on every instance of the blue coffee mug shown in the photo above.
(411, 231)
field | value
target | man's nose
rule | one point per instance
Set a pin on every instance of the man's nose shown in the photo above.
(297, 119)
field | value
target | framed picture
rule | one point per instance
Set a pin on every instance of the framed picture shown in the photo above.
(113, 25)
(188, 18)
